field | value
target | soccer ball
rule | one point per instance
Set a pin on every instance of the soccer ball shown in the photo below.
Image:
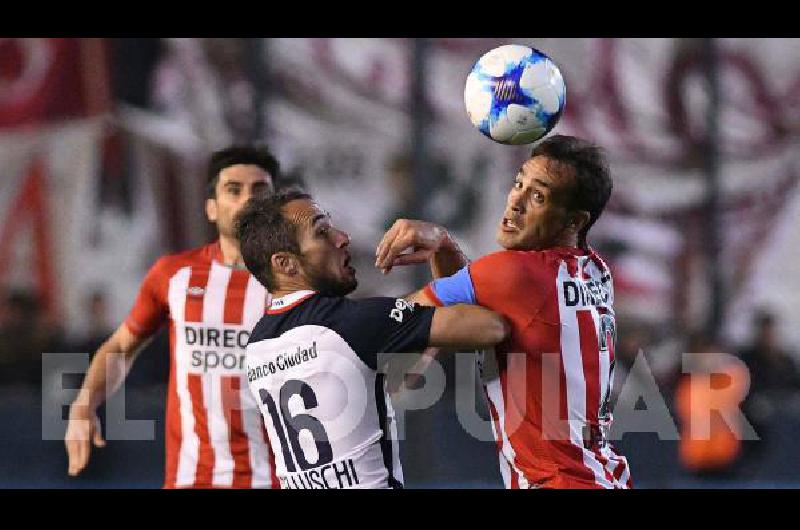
(515, 94)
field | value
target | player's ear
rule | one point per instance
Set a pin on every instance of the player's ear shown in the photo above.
(211, 210)
(285, 263)
(579, 220)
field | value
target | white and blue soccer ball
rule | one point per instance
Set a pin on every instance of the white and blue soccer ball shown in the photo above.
(515, 94)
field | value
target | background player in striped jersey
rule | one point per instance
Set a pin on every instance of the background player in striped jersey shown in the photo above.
(214, 433)
(549, 406)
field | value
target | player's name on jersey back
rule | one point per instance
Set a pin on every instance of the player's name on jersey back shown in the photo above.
(341, 474)
(283, 361)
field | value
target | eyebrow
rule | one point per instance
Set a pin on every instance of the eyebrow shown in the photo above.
(239, 182)
(317, 218)
(542, 183)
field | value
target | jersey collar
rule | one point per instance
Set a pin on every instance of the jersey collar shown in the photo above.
(284, 303)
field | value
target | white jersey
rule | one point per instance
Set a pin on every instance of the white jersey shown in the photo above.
(313, 368)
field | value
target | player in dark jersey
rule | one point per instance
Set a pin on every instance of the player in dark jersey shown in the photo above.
(313, 361)
(549, 403)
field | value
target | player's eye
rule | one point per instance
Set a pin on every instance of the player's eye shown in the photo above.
(517, 184)
(234, 190)
(538, 196)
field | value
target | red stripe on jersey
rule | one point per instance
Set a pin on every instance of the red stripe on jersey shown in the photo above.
(572, 265)
(174, 438)
(620, 469)
(195, 293)
(604, 462)
(234, 296)
(590, 355)
(205, 452)
(240, 448)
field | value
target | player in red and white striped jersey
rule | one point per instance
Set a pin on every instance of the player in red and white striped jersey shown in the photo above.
(214, 433)
(548, 387)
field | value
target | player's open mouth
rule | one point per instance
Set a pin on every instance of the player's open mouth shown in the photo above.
(347, 266)
(509, 226)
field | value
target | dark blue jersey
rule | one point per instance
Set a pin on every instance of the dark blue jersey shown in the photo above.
(313, 366)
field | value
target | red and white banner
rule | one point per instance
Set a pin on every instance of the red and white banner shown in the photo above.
(48, 80)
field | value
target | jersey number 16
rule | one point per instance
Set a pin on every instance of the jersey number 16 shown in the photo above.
(289, 438)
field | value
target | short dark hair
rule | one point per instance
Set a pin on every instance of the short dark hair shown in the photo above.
(593, 183)
(240, 154)
(262, 231)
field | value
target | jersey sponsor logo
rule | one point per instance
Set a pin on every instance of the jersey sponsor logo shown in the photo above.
(195, 291)
(400, 305)
(283, 361)
(585, 293)
(220, 338)
(335, 475)
(212, 360)
(215, 349)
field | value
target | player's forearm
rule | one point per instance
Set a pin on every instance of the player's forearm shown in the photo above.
(448, 259)
(106, 373)
(467, 326)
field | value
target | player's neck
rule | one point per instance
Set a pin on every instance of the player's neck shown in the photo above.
(568, 241)
(291, 285)
(231, 255)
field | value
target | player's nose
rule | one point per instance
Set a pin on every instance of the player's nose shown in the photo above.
(342, 239)
(248, 193)
(515, 204)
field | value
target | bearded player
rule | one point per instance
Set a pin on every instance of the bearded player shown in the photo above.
(316, 358)
(549, 394)
(214, 433)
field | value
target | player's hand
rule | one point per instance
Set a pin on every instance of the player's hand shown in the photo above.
(83, 430)
(409, 241)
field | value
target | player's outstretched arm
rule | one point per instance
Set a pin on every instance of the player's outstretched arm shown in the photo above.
(411, 241)
(108, 370)
(467, 326)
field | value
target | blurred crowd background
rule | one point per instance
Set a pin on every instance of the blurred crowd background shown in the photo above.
(103, 146)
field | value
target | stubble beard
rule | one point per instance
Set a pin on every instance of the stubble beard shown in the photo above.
(325, 284)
